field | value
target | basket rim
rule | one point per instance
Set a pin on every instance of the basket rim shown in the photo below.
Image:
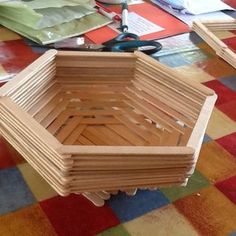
(55, 145)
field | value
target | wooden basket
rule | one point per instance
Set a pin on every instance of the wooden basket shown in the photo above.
(207, 29)
(105, 121)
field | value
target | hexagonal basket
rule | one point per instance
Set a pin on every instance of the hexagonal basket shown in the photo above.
(90, 121)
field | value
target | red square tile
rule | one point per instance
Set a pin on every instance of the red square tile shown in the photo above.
(28, 221)
(224, 93)
(5, 155)
(230, 42)
(229, 109)
(229, 143)
(228, 187)
(232, 3)
(16, 55)
(18, 159)
(75, 215)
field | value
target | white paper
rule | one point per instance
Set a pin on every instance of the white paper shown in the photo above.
(188, 18)
(133, 2)
(205, 6)
(195, 7)
(141, 26)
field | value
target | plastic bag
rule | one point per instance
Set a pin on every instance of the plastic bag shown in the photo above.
(31, 15)
(58, 32)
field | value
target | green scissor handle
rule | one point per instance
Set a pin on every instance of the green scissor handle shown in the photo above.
(128, 42)
(145, 46)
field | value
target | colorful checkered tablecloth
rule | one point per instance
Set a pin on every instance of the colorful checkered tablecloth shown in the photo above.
(207, 206)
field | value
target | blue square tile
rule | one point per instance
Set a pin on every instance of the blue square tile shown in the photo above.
(229, 81)
(206, 138)
(14, 193)
(195, 38)
(173, 60)
(129, 207)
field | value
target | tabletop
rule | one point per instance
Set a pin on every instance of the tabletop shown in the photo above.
(206, 206)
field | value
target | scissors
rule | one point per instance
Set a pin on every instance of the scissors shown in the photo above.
(124, 42)
(129, 42)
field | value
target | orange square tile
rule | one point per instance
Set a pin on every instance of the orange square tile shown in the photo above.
(217, 67)
(30, 221)
(209, 211)
(194, 73)
(6, 34)
(164, 221)
(215, 162)
(220, 125)
(206, 48)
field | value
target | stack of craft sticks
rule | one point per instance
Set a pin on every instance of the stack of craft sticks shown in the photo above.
(206, 30)
(93, 123)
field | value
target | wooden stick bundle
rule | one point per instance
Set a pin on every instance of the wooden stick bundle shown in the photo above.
(93, 123)
(206, 29)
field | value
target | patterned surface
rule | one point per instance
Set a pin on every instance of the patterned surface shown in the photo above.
(28, 205)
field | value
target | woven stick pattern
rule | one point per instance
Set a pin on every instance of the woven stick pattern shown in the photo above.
(93, 123)
(206, 30)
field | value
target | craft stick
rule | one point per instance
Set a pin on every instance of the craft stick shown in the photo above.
(99, 121)
(104, 195)
(41, 146)
(142, 132)
(74, 135)
(175, 76)
(94, 198)
(108, 135)
(171, 86)
(51, 104)
(143, 121)
(34, 99)
(169, 101)
(31, 124)
(100, 55)
(96, 139)
(68, 149)
(68, 128)
(58, 122)
(34, 156)
(111, 74)
(127, 134)
(196, 137)
(171, 112)
(206, 30)
(144, 104)
(51, 93)
(62, 192)
(94, 62)
(84, 141)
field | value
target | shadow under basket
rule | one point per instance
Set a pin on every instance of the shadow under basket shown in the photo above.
(91, 121)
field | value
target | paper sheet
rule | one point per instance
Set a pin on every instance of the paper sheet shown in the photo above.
(138, 25)
(188, 18)
(195, 7)
(206, 6)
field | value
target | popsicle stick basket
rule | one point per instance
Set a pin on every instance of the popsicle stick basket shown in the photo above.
(91, 122)
(208, 30)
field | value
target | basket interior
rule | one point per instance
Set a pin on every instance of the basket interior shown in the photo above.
(111, 101)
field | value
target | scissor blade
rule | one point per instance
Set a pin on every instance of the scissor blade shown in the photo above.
(84, 47)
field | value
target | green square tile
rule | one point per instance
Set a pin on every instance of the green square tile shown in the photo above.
(195, 183)
(115, 231)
